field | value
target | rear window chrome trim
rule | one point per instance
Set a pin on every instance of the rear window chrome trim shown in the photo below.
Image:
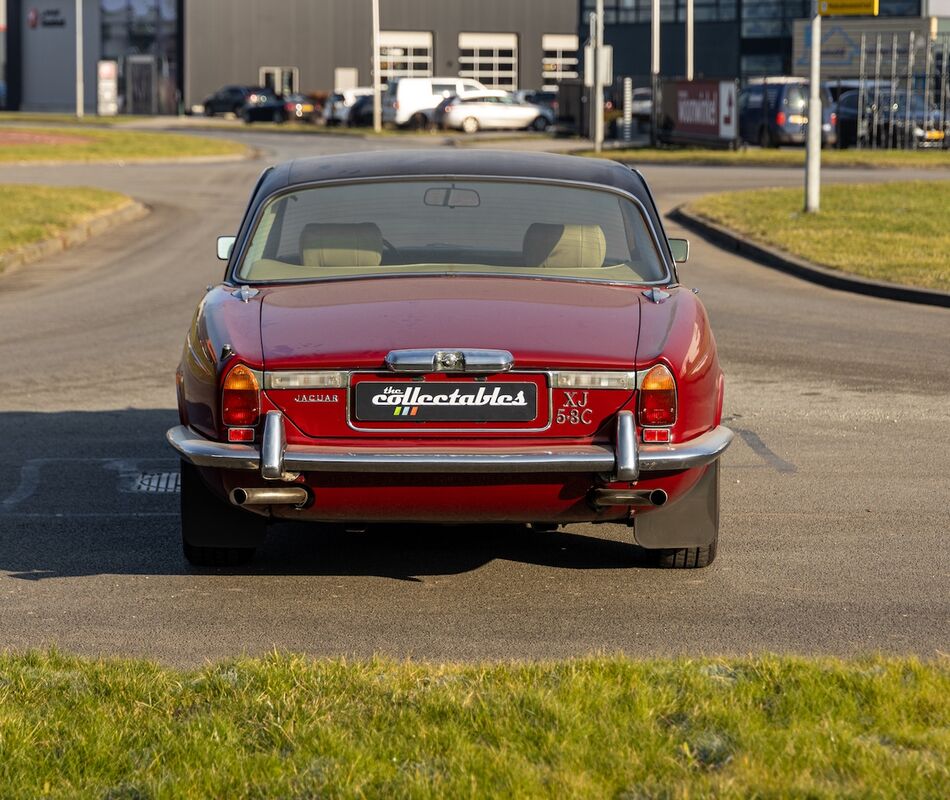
(660, 245)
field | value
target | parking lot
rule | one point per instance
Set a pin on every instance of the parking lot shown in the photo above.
(834, 493)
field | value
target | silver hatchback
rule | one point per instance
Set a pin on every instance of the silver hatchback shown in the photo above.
(493, 110)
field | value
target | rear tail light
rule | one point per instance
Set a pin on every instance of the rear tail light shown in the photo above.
(780, 118)
(657, 404)
(241, 398)
(291, 106)
(834, 119)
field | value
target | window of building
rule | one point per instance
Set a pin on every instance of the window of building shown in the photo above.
(405, 54)
(627, 11)
(559, 61)
(491, 58)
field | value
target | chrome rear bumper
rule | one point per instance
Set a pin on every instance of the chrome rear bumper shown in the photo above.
(276, 460)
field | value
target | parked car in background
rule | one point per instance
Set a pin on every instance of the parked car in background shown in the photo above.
(894, 125)
(852, 124)
(774, 112)
(642, 105)
(280, 108)
(491, 110)
(450, 336)
(338, 105)
(412, 101)
(360, 114)
(539, 98)
(231, 99)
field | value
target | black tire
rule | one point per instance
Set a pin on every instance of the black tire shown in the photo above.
(540, 124)
(213, 532)
(765, 138)
(246, 116)
(278, 117)
(418, 122)
(685, 557)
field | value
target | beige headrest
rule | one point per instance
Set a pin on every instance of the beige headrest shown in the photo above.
(547, 245)
(358, 244)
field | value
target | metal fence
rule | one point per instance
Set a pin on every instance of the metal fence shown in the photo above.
(901, 96)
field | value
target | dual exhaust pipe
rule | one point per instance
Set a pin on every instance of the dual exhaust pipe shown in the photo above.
(270, 496)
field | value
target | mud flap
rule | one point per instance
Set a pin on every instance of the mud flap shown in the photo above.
(692, 521)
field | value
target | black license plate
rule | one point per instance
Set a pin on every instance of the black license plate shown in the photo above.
(380, 401)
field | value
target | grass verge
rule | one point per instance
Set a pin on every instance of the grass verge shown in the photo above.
(30, 214)
(779, 157)
(894, 232)
(285, 726)
(53, 118)
(20, 143)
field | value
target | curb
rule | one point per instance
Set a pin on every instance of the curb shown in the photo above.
(792, 265)
(98, 223)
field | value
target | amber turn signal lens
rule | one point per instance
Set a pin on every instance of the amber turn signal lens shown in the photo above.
(657, 404)
(241, 397)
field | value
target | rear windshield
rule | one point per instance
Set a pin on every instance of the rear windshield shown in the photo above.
(467, 226)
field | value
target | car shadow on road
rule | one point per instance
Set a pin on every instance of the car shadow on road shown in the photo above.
(92, 493)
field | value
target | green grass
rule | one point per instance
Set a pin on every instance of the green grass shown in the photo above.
(112, 145)
(895, 232)
(52, 118)
(285, 726)
(31, 213)
(780, 157)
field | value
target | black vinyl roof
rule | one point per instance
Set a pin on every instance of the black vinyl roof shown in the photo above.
(447, 162)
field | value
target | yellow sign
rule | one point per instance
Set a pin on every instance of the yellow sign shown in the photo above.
(848, 8)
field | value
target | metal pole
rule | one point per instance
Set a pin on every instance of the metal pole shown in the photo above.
(862, 77)
(689, 40)
(80, 87)
(876, 108)
(813, 148)
(908, 97)
(654, 69)
(598, 51)
(944, 78)
(377, 78)
(891, 96)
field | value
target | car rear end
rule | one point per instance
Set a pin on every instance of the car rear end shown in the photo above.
(413, 372)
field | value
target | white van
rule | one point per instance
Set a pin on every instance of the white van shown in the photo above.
(411, 101)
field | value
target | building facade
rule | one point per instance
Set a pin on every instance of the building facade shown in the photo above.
(732, 38)
(171, 54)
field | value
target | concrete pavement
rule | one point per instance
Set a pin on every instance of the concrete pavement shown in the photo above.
(834, 494)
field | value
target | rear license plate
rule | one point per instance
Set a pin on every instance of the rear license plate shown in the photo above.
(444, 401)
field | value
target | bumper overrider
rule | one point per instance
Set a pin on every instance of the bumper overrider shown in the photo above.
(625, 461)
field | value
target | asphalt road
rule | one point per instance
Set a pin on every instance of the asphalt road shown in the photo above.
(835, 495)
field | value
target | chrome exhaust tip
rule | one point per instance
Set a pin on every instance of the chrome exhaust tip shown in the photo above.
(270, 496)
(603, 498)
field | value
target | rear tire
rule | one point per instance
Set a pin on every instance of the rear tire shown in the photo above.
(685, 557)
(213, 532)
(765, 138)
(419, 122)
(540, 124)
(470, 125)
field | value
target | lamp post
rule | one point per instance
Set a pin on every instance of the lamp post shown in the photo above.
(80, 87)
(377, 83)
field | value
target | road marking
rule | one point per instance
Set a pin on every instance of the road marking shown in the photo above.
(127, 470)
(764, 452)
(158, 482)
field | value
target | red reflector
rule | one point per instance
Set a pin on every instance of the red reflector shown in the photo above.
(656, 434)
(240, 434)
(780, 118)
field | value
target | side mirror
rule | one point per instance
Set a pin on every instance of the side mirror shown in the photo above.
(680, 250)
(225, 246)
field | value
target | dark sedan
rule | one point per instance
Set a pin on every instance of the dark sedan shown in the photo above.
(231, 99)
(280, 108)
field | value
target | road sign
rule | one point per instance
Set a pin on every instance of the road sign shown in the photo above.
(848, 8)
(606, 65)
